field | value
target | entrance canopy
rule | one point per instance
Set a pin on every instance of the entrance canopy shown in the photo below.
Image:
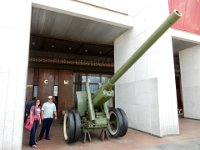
(73, 34)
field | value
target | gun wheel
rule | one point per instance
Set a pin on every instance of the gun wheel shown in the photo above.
(125, 122)
(115, 125)
(69, 127)
(77, 120)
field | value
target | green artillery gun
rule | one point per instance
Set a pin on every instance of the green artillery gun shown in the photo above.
(92, 110)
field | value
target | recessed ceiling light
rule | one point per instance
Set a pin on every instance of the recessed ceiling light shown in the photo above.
(33, 43)
(52, 46)
(100, 52)
(86, 50)
(70, 48)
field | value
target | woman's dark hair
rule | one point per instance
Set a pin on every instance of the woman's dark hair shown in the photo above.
(36, 102)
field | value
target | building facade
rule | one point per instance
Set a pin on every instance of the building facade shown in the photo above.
(147, 92)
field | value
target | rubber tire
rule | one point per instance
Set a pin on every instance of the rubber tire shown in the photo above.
(125, 122)
(77, 119)
(68, 122)
(115, 114)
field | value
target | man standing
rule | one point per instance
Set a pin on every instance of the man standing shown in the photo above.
(48, 110)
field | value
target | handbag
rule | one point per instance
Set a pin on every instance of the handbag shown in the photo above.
(28, 124)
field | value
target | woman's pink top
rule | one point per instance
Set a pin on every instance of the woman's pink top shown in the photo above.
(36, 112)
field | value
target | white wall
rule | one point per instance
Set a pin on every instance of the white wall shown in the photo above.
(114, 5)
(147, 91)
(14, 37)
(190, 78)
(186, 36)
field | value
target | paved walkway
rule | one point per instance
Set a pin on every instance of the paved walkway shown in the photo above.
(189, 139)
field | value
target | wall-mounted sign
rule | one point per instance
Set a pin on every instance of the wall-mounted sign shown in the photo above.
(66, 82)
(46, 81)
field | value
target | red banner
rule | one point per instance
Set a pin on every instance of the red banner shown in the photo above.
(190, 9)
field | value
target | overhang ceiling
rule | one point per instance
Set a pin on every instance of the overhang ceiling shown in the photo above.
(56, 32)
(52, 31)
(179, 45)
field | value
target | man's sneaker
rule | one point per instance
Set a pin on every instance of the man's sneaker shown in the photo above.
(36, 143)
(34, 146)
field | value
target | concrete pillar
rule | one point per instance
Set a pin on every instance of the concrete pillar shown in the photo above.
(147, 91)
(15, 33)
(190, 79)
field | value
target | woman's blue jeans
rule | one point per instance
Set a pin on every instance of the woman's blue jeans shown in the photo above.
(33, 131)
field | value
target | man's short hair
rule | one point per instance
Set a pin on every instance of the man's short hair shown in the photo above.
(49, 97)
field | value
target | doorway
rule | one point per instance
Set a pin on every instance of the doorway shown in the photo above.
(44, 82)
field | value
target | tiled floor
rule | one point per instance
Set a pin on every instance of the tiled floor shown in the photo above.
(133, 140)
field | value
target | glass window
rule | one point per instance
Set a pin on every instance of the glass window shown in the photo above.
(83, 88)
(104, 79)
(55, 90)
(94, 78)
(83, 78)
(94, 87)
(35, 91)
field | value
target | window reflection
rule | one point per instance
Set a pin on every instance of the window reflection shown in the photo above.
(35, 91)
(55, 90)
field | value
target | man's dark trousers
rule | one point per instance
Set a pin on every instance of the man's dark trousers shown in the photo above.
(46, 124)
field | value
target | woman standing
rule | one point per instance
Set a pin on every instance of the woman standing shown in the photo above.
(35, 120)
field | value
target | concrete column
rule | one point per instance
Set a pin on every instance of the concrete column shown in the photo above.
(190, 79)
(147, 91)
(15, 33)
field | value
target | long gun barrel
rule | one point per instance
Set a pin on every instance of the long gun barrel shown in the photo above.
(105, 93)
(92, 110)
